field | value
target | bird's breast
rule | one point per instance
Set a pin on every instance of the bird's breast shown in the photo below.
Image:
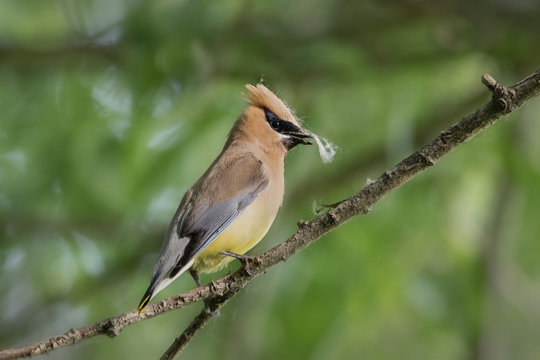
(243, 233)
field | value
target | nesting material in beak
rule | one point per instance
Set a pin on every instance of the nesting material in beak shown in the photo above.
(326, 150)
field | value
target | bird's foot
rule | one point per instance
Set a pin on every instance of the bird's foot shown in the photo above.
(207, 305)
(245, 260)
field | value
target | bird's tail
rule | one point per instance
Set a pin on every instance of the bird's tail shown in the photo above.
(157, 284)
(145, 299)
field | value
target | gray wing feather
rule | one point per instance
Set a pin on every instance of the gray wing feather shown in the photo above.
(199, 221)
(173, 244)
(215, 219)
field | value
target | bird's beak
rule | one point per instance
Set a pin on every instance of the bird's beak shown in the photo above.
(296, 136)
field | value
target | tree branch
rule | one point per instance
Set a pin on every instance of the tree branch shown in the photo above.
(217, 293)
(350, 170)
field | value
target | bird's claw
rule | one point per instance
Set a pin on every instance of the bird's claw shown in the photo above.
(244, 260)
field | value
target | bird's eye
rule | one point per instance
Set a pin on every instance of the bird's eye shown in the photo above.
(274, 121)
(275, 124)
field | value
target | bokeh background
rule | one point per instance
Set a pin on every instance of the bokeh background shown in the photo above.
(110, 110)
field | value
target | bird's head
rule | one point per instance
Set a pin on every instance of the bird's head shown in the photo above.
(270, 121)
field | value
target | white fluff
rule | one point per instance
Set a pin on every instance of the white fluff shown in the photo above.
(326, 150)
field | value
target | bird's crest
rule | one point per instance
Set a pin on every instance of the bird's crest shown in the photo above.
(262, 97)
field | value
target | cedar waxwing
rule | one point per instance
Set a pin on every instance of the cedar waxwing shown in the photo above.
(231, 207)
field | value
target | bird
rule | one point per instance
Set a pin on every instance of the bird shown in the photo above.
(234, 203)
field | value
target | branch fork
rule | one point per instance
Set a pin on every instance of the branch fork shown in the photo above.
(504, 97)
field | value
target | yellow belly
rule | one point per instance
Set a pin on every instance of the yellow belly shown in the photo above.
(243, 234)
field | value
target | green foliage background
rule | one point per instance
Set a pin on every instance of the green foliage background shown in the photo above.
(110, 110)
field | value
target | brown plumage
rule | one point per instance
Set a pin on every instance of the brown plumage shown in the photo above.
(260, 96)
(231, 207)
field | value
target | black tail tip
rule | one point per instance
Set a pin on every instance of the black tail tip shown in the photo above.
(144, 302)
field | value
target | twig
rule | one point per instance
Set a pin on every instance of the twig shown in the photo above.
(211, 308)
(504, 101)
(353, 167)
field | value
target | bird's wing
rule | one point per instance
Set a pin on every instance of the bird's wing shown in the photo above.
(214, 202)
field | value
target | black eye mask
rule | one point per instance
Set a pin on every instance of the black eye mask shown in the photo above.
(280, 125)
